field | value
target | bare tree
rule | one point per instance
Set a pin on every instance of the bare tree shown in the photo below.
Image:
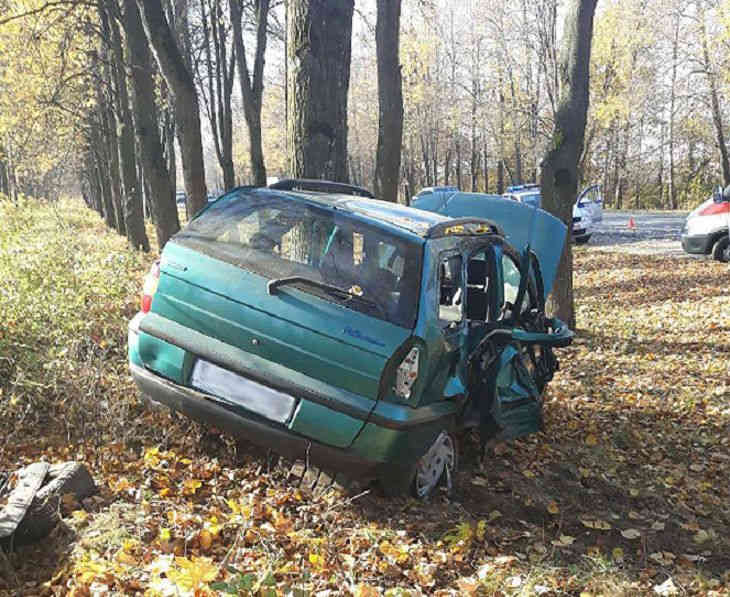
(559, 175)
(252, 87)
(390, 98)
(162, 193)
(714, 96)
(216, 86)
(187, 115)
(132, 203)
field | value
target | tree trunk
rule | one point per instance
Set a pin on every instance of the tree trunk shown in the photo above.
(4, 186)
(319, 39)
(390, 100)
(672, 104)
(187, 114)
(132, 198)
(714, 101)
(486, 167)
(162, 193)
(109, 129)
(560, 166)
(252, 88)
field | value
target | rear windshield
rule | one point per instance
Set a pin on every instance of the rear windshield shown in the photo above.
(277, 237)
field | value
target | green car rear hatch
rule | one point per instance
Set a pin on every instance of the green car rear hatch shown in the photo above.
(301, 300)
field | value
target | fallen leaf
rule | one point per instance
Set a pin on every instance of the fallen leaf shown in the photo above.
(630, 534)
(597, 524)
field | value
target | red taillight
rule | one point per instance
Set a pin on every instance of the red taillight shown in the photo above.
(714, 209)
(150, 286)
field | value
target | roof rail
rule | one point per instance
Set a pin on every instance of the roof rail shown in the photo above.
(320, 186)
(464, 227)
(522, 187)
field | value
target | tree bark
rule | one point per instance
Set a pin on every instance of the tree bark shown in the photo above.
(390, 100)
(672, 109)
(162, 193)
(132, 198)
(252, 88)
(714, 101)
(319, 39)
(187, 113)
(560, 166)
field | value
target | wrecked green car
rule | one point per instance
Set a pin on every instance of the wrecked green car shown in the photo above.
(355, 334)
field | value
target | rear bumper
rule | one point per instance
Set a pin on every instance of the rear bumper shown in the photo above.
(697, 244)
(324, 429)
(200, 407)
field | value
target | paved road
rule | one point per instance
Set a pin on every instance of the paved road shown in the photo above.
(655, 233)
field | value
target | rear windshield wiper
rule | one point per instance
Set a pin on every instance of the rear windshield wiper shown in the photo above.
(273, 286)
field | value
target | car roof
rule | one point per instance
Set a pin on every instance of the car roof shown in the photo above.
(394, 217)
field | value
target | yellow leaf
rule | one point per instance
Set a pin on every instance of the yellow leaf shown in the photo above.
(481, 530)
(591, 440)
(124, 558)
(316, 560)
(564, 541)
(630, 534)
(553, 507)
(190, 486)
(618, 554)
(164, 534)
(80, 515)
(598, 524)
(365, 590)
(193, 574)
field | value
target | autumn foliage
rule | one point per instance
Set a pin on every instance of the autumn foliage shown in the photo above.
(625, 491)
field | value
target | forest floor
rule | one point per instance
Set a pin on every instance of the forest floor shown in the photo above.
(625, 492)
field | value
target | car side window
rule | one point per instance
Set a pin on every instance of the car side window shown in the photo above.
(451, 290)
(511, 277)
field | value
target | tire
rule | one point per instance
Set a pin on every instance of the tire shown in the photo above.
(419, 481)
(436, 467)
(582, 240)
(721, 250)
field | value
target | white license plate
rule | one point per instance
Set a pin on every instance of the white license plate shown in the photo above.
(237, 390)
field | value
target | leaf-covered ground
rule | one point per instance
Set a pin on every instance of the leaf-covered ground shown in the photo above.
(626, 491)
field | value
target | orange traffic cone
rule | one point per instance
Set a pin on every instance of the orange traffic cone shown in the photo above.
(632, 224)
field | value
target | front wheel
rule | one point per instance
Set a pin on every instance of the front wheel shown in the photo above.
(721, 250)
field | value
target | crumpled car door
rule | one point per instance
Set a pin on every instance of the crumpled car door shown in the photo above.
(514, 361)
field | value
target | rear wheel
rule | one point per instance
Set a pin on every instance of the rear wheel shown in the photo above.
(437, 466)
(721, 250)
(581, 240)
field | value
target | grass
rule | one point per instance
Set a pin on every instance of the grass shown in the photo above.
(626, 490)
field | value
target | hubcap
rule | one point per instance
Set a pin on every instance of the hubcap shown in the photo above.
(439, 459)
